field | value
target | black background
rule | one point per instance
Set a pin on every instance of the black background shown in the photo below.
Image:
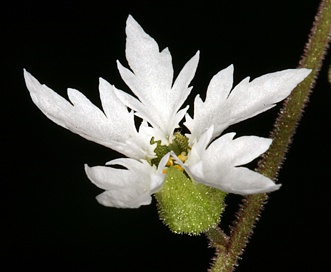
(49, 217)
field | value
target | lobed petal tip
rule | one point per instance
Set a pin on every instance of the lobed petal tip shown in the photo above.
(87, 170)
(27, 75)
(230, 68)
(103, 82)
(306, 71)
(131, 21)
(271, 188)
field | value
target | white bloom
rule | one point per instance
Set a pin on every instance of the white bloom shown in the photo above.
(158, 102)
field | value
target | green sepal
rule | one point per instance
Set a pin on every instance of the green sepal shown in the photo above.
(186, 206)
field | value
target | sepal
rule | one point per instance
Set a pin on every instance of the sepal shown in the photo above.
(186, 206)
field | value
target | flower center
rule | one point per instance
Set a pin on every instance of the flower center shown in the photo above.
(179, 146)
(172, 162)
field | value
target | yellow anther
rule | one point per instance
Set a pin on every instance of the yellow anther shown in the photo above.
(183, 156)
(179, 167)
(170, 162)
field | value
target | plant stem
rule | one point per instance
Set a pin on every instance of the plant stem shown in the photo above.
(284, 129)
(293, 106)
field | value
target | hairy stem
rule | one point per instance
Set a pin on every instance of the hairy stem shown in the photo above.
(293, 106)
(227, 257)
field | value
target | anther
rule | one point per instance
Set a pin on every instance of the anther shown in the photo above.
(170, 162)
(183, 156)
(179, 167)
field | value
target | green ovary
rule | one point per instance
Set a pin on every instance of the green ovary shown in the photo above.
(186, 206)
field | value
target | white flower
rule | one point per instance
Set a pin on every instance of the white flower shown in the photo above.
(159, 98)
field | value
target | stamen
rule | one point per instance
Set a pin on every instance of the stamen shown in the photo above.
(179, 167)
(170, 162)
(180, 142)
(183, 156)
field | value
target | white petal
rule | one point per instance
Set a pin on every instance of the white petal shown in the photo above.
(136, 145)
(130, 187)
(216, 166)
(220, 85)
(208, 113)
(222, 108)
(121, 198)
(151, 67)
(263, 92)
(199, 148)
(241, 181)
(151, 80)
(239, 151)
(115, 130)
